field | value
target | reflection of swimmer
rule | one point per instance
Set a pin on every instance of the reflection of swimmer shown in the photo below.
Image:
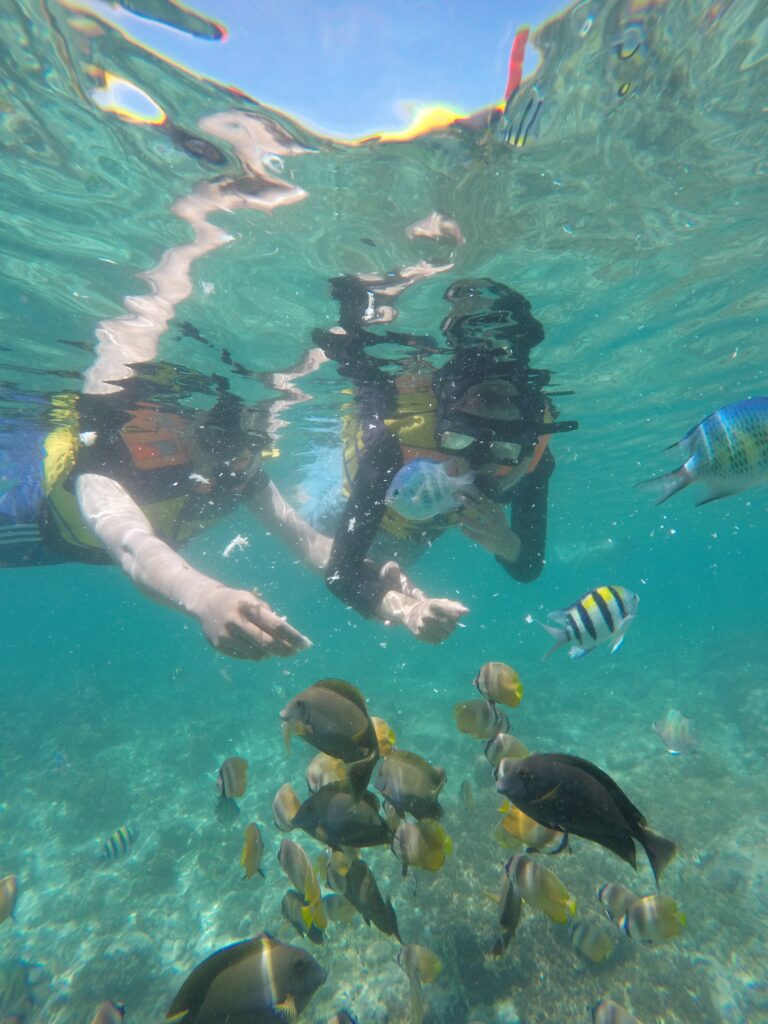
(131, 478)
(483, 413)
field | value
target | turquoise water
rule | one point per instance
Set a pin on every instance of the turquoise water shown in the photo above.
(633, 219)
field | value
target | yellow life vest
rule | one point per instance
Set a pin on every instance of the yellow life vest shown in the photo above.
(414, 424)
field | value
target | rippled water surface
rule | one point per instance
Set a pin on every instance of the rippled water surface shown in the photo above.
(162, 232)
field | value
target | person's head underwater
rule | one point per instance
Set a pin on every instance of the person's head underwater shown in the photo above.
(492, 409)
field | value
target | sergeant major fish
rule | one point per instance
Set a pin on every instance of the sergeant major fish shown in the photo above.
(603, 614)
(727, 452)
(118, 846)
(424, 489)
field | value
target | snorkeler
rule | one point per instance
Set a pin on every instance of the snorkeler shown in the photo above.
(482, 419)
(126, 478)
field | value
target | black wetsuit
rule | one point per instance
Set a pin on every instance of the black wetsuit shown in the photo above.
(381, 457)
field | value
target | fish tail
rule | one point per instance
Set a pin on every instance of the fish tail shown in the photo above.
(665, 486)
(313, 913)
(659, 849)
(558, 634)
(358, 773)
(417, 1000)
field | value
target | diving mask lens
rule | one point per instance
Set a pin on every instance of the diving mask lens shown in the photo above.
(454, 441)
(506, 451)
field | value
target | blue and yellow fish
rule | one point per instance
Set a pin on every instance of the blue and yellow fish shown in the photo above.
(727, 452)
(605, 613)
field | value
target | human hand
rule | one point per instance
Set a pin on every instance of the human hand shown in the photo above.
(484, 521)
(395, 579)
(432, 620)
(238, 623)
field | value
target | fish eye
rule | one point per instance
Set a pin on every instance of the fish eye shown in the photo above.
(396, 493)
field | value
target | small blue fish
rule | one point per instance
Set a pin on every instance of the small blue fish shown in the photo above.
(605, 613)
(727, 452)
(424, 489)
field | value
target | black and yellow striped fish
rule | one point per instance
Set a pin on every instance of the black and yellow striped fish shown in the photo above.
(118, 846)
(605, 613)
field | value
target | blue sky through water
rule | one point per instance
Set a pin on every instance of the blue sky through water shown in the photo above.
(350, 68)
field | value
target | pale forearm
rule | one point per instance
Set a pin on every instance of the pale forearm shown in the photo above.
(274, 513)
(127, 535)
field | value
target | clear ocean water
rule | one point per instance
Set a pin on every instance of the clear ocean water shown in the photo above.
(633, 218)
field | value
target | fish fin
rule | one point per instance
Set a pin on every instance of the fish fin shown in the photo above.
(659, 849)
(288, 1009)
(570, 907)
(346, 690)
(547, 796)
(359, 773)
(417, 1000)
(559, 616)
(287, 731)
(559, 636)
(262, 874)
(577, 652)
(666, 485)
(176, 1017)
(621, 632)
(715, 494)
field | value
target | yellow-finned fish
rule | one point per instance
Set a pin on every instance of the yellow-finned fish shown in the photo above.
(593, 937)
(530, 833)
(298, 867)
(385, 734)
(502, 745)
(422, 967)
(616, 899)
(603, 614)
(499, 683)
(541, 888)
(285, 807)
(422, 844)
(108, 1013)
(480, 719)
(9, 894)
(652, 919)
(608, 1012)
(253, 851)
(233, 777)
(510, 912)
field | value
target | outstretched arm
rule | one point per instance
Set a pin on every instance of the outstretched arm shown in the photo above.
(235, 622)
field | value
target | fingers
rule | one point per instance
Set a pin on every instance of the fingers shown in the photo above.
(279, 633)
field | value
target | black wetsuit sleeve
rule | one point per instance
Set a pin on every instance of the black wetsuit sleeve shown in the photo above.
(349, 577)
(528, 518)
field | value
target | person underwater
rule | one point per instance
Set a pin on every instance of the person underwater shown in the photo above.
(430, 448)
(130, 478)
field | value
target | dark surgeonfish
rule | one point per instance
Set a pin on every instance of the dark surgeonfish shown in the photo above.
(410, 784)
(336, 817)
(332, 716)
(363, 893)
(258, 981)
(570, 794)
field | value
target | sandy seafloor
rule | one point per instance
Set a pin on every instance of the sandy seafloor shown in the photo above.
(134, 930)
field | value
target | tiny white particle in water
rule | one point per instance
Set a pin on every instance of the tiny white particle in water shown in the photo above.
(529, 618)
(196, 478)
